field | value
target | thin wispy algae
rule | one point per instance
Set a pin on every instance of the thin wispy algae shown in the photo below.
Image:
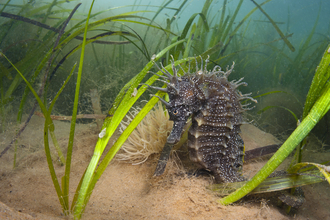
(148, 138)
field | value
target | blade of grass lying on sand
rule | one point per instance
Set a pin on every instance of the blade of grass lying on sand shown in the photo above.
(325, 170)
(278, 183)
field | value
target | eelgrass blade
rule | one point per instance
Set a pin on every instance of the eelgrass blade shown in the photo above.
(51, 166)
(110, 125)
(230, 24)
(320, 78)
(27, 20)
(298, 60)
(318, 110)
(221, 22)
(273, 106)
(154, 17)
(189, 42)
(287, 42)
(66, 177)
(43, 108)
(212, 50)
(100, 22)
(5, 72)
(63, 26)
(218, 32)
(135, 79)
(4, 6)
(277, 91)
(90, 40)
(189, 22)
(202, 29)
(45, 77)
(120, 141)
(51, 126)
(116, 146)
(319, 83)
(41, 89)
(32, 80)
(232, 34)
(2, 104)
(325, 170)
(75, 197)
(54, 29)
(48, 121)
(285, 181)
(176, 51)
(144, 51)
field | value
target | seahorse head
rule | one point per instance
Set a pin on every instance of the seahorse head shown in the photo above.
(182, 101)
(180, 108)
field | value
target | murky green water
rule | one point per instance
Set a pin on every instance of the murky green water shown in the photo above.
(276, 46)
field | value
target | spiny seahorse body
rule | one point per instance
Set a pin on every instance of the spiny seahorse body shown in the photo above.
(214, 105)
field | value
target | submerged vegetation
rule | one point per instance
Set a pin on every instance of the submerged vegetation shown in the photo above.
(116, 50)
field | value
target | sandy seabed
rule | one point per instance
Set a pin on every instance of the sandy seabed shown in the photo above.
(130, 192)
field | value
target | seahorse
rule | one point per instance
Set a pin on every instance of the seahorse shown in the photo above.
(213, 103)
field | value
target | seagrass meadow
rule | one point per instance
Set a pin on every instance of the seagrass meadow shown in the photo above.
(82, 127)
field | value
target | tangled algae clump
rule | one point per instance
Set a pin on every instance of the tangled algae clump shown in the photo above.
(149, 137)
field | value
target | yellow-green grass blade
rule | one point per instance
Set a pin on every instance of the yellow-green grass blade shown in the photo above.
(66, 177)
(137, 119)
(49, 125)
(319, 83)
(110, 125)
(320, 78)
(320, 108)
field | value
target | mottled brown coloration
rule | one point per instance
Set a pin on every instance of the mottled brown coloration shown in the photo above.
(214, 105)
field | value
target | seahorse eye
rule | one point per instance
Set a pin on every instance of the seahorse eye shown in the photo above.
(175, 112)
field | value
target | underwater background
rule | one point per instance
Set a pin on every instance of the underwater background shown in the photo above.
(265, 61)
(276, 45)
